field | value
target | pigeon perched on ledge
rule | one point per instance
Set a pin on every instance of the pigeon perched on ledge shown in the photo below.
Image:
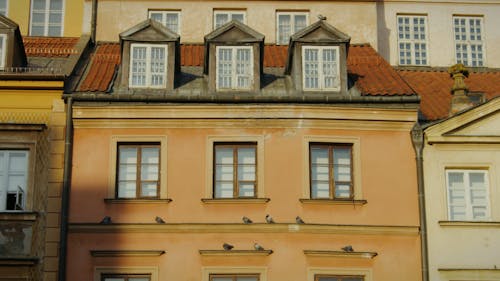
(269, 219)
(258, 247)
(106, 220)
(159, 220)
(227, 247)
(348, 248)
(246, 220)
(299, 220)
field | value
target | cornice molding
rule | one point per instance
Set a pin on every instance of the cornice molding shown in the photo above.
(126, 253)
(18, 261)
(244, 228)
(340, 254)
(137, 201)
(235, 253)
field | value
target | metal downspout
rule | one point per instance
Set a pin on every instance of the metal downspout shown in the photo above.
(417, 136)
(93, 22)
(68, 151)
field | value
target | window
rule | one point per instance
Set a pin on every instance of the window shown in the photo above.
(468, 197)
(288, 23)
(222, 17)
(138, 171)
(148, 66)
(320, 67)
(170, 19)
(4, 7)
(235, 170)
(126, 277)
(331, 171)
(3, 49)
(233, 277)
(13, 179)
(412, 40)
(46, 17)
(469, 47)
(234, 67)
(338, 278)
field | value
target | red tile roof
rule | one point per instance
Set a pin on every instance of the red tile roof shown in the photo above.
(50, 46)
(374, 76)
(434, 88)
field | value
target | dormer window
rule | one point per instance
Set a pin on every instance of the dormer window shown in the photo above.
(150, 57)
(234, 58)
(317, 59)
(320, 66)
(234, 67)
(148, 65)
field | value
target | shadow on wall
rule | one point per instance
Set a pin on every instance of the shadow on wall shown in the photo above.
(383, 32)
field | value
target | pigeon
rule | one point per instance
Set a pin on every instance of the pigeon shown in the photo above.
(269, 219)
(246, 220)
(348, 248)
(227, 247)
(258, 247)
(321, 17)
(159, 220)
(106, 220)
(299, 220)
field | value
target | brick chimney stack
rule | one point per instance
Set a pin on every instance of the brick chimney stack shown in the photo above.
(459, 90)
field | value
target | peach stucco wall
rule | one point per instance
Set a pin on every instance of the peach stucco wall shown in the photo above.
(388, 178)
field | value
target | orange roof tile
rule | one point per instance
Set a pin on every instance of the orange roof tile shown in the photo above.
(373, 75)
(434, 88)
(102, 68)
(50, 46)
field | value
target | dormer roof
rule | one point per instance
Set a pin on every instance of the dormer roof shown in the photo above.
(149, 31)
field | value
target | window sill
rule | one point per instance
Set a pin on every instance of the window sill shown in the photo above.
(494, 224)
(126, 253)
(235, 200)
(136, 201)
(340, 254)
(333, 201)
(235, 252)
(18, 216)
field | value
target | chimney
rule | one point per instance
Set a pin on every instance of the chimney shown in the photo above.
(459, 99)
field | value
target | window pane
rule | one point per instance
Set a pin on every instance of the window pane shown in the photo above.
(237, 17)
(246, 172)
(221, 19)
(320, 190)
(149, 172)
(138, 68)
(157, 66)
(156, 16)
(224, 68)
(311, 77)
(38, 4)
(246, 190)
(172, 22)
(224, 172)
(300, 22)
(127, 189)
(149, 189)
(56, 4)
(224, 189)
(243, 68)
(128, 172)
(284, 28)
(330, 75)
(224, 155)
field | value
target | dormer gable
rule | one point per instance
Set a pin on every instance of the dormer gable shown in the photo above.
(150, 56)
(12, 53)
(317, 59)
(233, 45)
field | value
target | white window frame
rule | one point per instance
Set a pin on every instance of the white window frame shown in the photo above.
(164, 14)
(3, 50)
(234, 78)
(467, 189)
(412, 41)
(47, 14)
(148, 65)
(321, 82)
(6, 13)
(21, 189)
(468, 42)
(230, 14)
(292, 23)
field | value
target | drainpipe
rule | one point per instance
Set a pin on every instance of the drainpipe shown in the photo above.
(417, 137)
(68, 151)
(93, 21)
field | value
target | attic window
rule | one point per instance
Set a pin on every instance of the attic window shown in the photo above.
(234, 67)
(3, 49)
(320, 66)
(148, 66)
(222, 17)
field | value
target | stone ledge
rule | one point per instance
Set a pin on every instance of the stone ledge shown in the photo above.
(235, 252)
(356, 202)
(340, 254)
(126, 253)
(137, 201)
(235, 200)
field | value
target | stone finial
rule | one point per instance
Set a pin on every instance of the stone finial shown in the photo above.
(459, 100)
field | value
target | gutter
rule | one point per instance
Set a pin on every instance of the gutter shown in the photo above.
(68, 153)
(417, 136)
